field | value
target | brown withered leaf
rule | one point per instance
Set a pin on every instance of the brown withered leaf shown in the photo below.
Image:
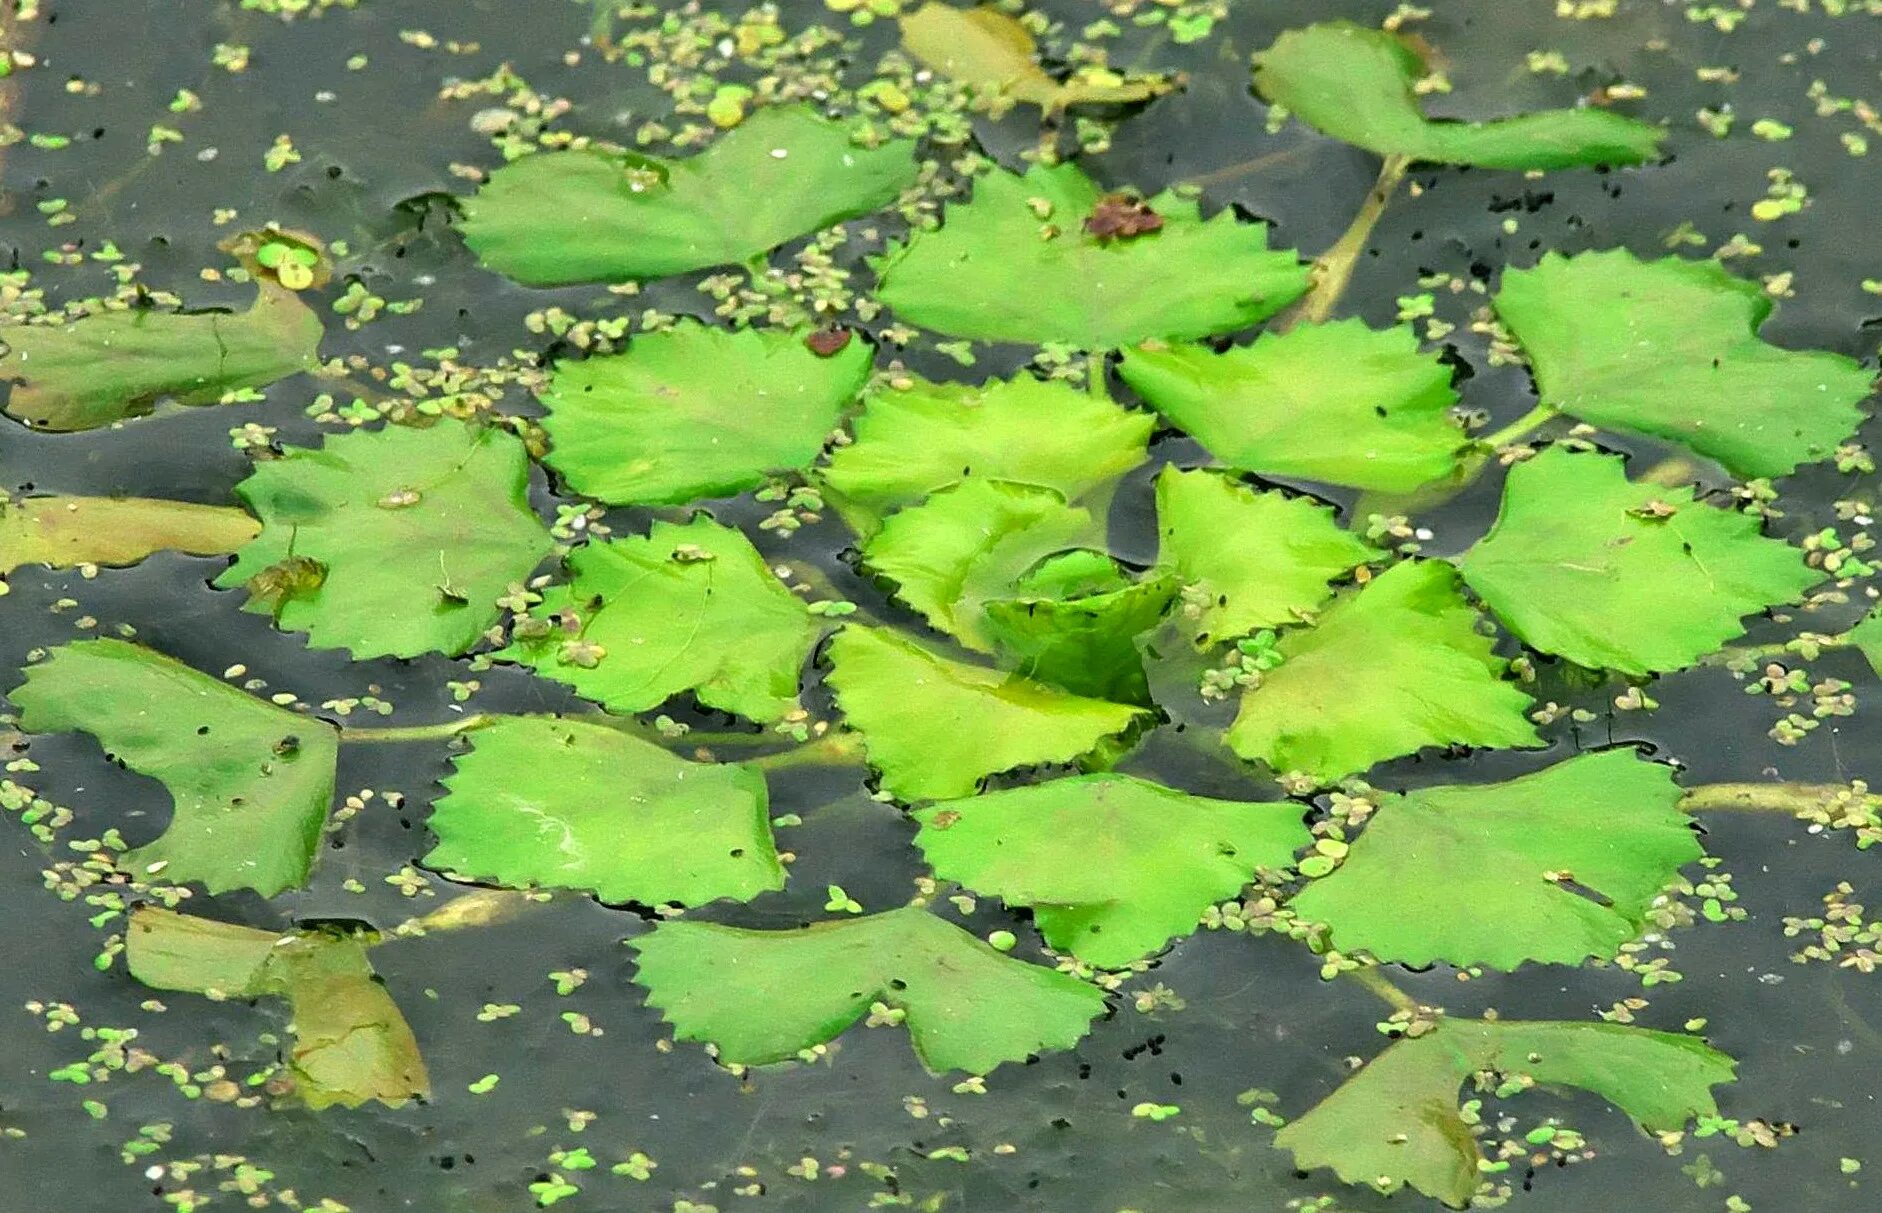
(1122, 217)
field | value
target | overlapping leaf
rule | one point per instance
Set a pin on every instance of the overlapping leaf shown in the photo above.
(1356, 84)
(1016, 263)
(1114, 867)
(935, 727)
(763, 996)
(250, 783)
(1621, 576)
(1251, 559)
(114, 365)
(1339, 403)
(541, 802)
(1390, 669)
(391, 542)
(555, 218)
(912, 441)
(350, 1044)
(1074, 622)
(992, 53)
(64, 532)
(688, 608)
(1396, 1122)
(1670, 348)
(1556, 867)
(696, 412)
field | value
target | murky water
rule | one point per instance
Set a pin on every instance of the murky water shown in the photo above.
(1055, 1135)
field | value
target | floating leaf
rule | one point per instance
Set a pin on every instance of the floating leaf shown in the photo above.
(1356, 84)
(1251, 559)
(64, 532)
(696, 412)
(914, 441)
(541, 802)
(350, 1043)
(966, 544)
(391, 542)
(1114, 867)
(116, 365)
(1390, 669)
(250, 782)
(1866, 637)
(1670, 348)
(1555, 867)
(1080, 637)
(1339, 403)
(1016, 264)
(689, 608)
(562, 217)
(935, 728)
(1629, 577)
(764, 996)
(993, 54)
(1396, 1122)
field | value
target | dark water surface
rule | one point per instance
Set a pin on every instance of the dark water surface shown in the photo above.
(1257, 1014)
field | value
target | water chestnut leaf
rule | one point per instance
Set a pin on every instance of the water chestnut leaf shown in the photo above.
(690, 607)
(545, 803)
(1114, 867)
(1356, 84)
(1613, 575)
(993, 54)
(915, 440)
(250, 783)
(1016, 263)
(116, 365)
(935, 727)
(1396, 1122)
(762, 996)
(350, 1043)
(1339, 403)
(412, 534)
(1390, 668)
(564, 217)
(1085, 640)
(64, 532)
(1253, 559)
(1670, 348)
(695, 411)
(1554, 867)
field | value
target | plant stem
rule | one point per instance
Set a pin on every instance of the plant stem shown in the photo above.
(1382, 988)
(1522, 427)
(1795, 799)
(418, 732)
(481, 908)
(1095, 369)
(1334, 268)
(833, 749)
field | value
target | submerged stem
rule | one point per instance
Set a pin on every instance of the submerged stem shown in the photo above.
(1382, 988)
(1795, 799)
(419, 732)
(1522, 427)
(1334, 268)
(831, 750)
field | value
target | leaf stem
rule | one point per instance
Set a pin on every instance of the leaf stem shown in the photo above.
(1794, 799)
(834, 749)
(1333, 270)
(1381, 987)
(419, 732)
(1096, 368)
(1522, 427)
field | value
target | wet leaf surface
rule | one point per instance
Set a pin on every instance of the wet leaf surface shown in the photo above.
(65, 532)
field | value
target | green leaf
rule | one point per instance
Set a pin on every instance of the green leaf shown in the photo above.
(966, 544)
(1114, 867)
(64, 532)
(1355, 84)
(696, 412)
(1866, 636)
(764, 996)
(1084, 638)
(556, 218)
(915, 440)
(1396, 1122)
(1390, 669)
(935, 728)
(1554, 867)
(1017, 264)
(350, 1043)
(250, 783)
(993, 54)
(391, 542)
(1620, 576)
(541, 802)
(121, 364)
(1251, 560)
(688, 608)
(1669, 348)
(1339, 403)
